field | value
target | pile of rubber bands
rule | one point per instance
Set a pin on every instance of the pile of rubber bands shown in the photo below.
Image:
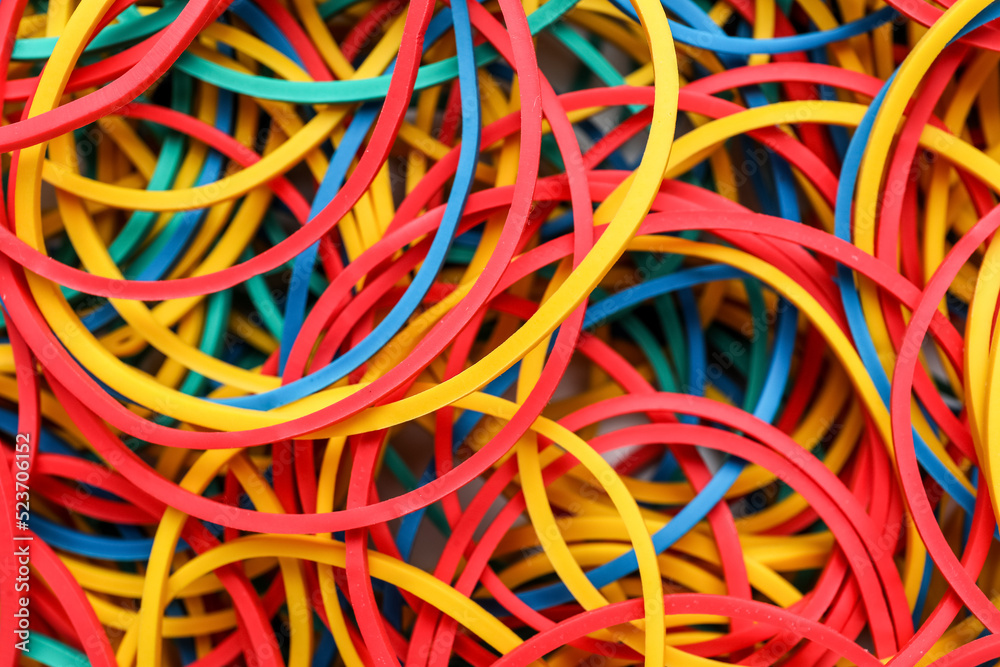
(580, 333)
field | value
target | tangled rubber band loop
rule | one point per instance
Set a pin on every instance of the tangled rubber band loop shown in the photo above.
(581, 332)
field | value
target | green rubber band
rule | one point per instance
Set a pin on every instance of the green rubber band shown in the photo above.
(54, 653)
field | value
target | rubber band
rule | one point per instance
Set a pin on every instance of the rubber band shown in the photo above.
(569, 333)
